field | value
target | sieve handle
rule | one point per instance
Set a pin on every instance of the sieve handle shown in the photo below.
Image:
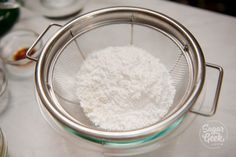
(29, 51)
(217, 92)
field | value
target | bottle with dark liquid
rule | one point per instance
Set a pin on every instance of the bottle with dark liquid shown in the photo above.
(9, 14)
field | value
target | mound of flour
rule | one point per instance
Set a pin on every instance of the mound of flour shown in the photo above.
(124, 88)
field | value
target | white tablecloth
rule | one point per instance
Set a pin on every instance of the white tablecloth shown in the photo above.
(29, 135)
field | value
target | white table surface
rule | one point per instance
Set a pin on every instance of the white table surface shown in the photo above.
(29, 135)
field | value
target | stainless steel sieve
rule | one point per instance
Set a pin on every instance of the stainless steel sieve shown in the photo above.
(65, 51)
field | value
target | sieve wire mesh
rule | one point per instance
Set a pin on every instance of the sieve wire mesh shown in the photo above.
(72, 56)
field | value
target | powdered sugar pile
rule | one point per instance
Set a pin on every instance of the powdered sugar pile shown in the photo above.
(124, 88)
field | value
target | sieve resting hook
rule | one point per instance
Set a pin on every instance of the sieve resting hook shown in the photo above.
(217, 92)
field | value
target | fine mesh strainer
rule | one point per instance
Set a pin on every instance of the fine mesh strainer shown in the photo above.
(160, 35)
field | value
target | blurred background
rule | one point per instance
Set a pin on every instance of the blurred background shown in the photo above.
(222, 6)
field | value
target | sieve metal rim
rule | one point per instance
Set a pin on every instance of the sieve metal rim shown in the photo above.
(43, 89)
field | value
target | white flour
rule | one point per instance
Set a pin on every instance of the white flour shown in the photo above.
(124, 88)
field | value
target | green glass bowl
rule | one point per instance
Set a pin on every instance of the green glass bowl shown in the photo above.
(114, 144)
(9, 14)
(128, 143)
